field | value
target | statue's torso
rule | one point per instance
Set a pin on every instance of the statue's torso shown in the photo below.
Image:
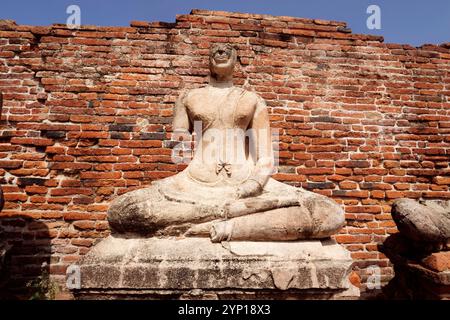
(221, 108)
(224, 115)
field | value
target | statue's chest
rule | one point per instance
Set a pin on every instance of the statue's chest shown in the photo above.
(215, 109)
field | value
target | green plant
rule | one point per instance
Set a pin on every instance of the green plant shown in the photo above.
(43, 287)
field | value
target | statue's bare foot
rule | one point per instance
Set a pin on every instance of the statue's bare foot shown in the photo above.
(200, 230)
(221, 231)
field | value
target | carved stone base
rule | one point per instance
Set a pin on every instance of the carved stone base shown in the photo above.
(198, 269)
(416, 282)
(416, 277)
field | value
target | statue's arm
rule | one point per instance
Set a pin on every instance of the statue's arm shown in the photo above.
(260, 126)
(263, 152)
(181, 121)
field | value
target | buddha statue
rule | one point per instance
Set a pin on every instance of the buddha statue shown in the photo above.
(226, 192)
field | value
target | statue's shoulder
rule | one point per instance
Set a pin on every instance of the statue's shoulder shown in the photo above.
(190, 94)
(196, 90)
(250, 96)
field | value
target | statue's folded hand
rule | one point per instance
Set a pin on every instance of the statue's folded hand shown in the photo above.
(249, 188)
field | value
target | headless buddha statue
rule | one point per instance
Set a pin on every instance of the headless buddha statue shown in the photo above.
(226, 192)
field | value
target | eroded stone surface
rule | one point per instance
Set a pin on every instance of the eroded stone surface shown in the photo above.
(226, 192)
(196, 263)
(421, 271)
(234, 220)
(424, 222)
(438, 261)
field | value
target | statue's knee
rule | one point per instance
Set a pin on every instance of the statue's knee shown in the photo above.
(334, 221)
(129, 213)
(327, 215)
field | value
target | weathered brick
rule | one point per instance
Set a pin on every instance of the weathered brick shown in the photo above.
(71, 191)
(438, 261)
(8, 164)
(347, 238)
(348, 185)
(31, 181)
(36, 189)
(100, 175)
(32, 141)
(442, 180)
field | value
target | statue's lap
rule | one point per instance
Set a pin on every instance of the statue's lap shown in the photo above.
(179, 203)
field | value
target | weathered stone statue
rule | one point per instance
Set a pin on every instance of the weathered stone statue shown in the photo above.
(226, 190)
(426, 223)
(160, 244)
(420, 251)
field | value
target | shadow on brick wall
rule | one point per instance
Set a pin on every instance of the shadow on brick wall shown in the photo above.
(25, 254)
(25, 269)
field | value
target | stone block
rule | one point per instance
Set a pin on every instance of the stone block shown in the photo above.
(438, 261)
(195, 267)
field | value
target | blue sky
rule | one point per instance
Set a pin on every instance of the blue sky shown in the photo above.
(414, 22)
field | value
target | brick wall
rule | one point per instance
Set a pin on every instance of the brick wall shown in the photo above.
(86, 113)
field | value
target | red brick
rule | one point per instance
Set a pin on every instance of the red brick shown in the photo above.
(438, 261)
(70, 166)
(32, 141)
(84, 224)
(355, 279)
(71, 191)
(59, 150)
(347, 238)
(363, 209)
(442, 180)
(59, 200)
(351, 193)
(315, 171)
(80, 216)
(36, 189)
(436, 194)
(70, 183)
(348, 185)
(395, 194)
(8, 164)
(364, 255)
(100, 175)
(82, 242)
(15, 197)
(135, 23)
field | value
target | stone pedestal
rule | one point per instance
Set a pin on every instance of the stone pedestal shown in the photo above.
(417, 282)
(419, 279)
(195, 268)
